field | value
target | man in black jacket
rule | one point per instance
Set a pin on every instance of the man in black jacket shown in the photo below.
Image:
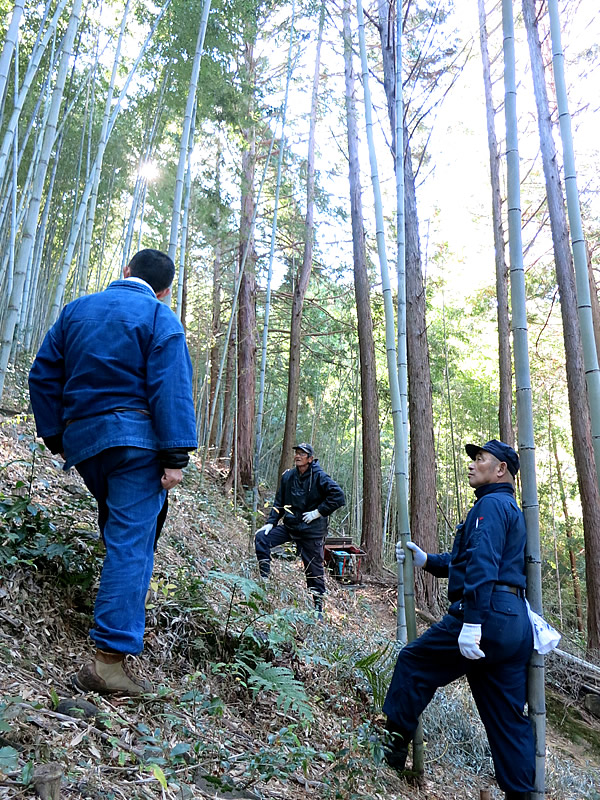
(305, 498)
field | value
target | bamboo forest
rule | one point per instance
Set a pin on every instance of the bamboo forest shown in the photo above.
(384, 223)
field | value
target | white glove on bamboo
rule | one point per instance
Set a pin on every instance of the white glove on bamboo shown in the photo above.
(468, 641)
(419, 556)
(400, 555)
(265, 529)
(308, 516)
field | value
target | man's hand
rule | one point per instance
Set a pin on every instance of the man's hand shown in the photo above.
(400, 554)
(469, 639)
(309, 516)
(419, 556)
(171, 477)
(265, 529)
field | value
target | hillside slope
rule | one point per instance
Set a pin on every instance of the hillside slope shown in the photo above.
(254, 698)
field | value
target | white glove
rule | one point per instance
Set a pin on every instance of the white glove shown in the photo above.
(419, 556)
(265, 529)
(468, 641)
(308, 516)
(400, 555)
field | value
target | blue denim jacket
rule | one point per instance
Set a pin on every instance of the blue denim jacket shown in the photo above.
(108, 357)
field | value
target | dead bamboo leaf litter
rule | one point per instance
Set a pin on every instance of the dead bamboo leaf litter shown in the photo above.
(305, 726)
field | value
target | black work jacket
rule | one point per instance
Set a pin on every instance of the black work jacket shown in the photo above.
(300, 493)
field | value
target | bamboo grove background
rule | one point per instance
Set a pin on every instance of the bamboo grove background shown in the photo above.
(192, 127)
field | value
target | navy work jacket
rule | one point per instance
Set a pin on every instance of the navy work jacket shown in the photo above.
(300, 493)
(489, 548)
(114, 370)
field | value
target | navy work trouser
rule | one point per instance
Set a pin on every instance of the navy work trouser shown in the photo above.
(498, 683)
(310, 550)
(126, 484)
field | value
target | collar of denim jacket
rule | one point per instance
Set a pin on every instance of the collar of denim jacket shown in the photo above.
(142, 281)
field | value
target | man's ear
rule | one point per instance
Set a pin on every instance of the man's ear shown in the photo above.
(502, 468)
(127, 271)
(164, 293)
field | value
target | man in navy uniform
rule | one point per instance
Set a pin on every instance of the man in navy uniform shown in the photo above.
(304, 500)
(111, 390)
(486, 634)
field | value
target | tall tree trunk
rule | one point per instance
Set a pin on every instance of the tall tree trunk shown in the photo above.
(243, 454)
(505, 399)
(420, 400)
(227, 419)
(371, 506)
(291, 411)
(423, 515)
(215, 330)
(594, 301)
(569, 534)
(576, 384)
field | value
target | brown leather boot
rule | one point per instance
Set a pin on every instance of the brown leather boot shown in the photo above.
(108, 674)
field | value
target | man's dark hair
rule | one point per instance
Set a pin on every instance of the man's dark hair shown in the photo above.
(154, 267)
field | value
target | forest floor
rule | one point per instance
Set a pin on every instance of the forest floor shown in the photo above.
(254, 697)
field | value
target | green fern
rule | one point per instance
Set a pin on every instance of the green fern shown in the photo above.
(265, 677)
(377, 668)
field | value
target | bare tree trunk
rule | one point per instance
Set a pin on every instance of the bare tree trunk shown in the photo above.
(505, 399)
(215, 330)
(569, 533)
(594, 300)
(576, 384)
(423, 515)
(371, 506)
(420, 403)
(227, 426)
(243, 454)
(291, 411)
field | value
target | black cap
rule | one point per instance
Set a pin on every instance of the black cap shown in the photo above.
(502, 451)
(305, 447)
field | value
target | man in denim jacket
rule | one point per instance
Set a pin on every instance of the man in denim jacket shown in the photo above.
(111, 390)
(486, 634)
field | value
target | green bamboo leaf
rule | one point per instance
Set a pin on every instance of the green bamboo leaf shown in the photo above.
(159, 775)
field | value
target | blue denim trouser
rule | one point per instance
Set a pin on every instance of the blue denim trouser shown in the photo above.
(498, 683)
(126, 483)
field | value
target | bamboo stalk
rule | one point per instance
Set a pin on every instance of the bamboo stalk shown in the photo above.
(187, 133)
(530, 504)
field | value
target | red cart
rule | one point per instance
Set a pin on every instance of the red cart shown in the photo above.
(343, 558)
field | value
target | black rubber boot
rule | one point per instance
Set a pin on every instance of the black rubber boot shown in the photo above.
(318, 601)
(517, 796)
(395, 748)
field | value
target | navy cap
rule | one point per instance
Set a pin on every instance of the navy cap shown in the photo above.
(305, 447)
(502, 451)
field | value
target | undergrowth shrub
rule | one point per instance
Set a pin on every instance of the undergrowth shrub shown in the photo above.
(28, 537)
